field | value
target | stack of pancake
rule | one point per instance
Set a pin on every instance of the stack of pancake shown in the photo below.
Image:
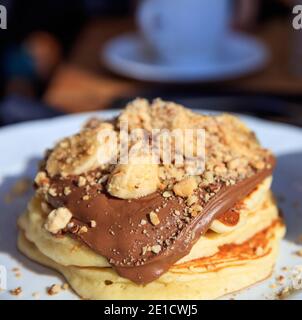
(155, 230)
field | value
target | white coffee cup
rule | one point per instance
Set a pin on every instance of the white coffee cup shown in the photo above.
(184, 31)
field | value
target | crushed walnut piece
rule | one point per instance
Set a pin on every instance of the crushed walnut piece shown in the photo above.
(185, 187)
(156, 248)
(92, 223)
(82, 181)
(167, 194)
(67, 191)
(195, 210)
(154, 218)
(54, 289)
(57, 220)
(280, 279)
(16, 292)
(83, 229)
(288, 283)
(143, 222)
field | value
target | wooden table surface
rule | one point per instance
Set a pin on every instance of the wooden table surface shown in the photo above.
(82, 83)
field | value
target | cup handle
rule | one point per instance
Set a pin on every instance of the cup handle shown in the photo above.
(146, 14)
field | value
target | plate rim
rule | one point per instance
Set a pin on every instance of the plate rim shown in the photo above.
(108, 113)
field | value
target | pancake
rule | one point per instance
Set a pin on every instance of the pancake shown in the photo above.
(237, 264)
(68, 251)
(148, 229)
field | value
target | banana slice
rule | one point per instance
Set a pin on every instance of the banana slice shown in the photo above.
(79, 153)
(136, 179)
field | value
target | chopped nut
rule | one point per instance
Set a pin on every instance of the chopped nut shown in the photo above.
(41, 178)
(233, 164)
(57, 220)
(144, 250)
(177, 212)
(67, 191)
(195, 210)
(207, 197)
(143, 222)
(191, 200)
(280, 279)
(54, 289)
(82, 181)
(220, 169)
(259, 165)
(208, 177)
(83, 229)
(16, 292)
(92, 223)
(167, 194)
(185, 187)
(154, 218)
(284, 292)
(86, 197)
(156, 248)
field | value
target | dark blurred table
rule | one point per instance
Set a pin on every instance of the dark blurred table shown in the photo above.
(83, 84)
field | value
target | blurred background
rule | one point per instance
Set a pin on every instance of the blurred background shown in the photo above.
(52, 59)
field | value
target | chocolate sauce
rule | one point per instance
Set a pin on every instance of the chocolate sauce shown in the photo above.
(127, 238)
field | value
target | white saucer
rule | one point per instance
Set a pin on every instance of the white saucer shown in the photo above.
(127, 55)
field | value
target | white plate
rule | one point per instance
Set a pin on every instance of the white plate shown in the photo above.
(23, 145)
(128, 56)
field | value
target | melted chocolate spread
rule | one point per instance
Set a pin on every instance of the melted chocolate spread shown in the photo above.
(125, 235)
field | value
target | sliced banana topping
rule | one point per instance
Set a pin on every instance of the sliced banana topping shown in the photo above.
(57, 220)
(80, 153)
(136, 179)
